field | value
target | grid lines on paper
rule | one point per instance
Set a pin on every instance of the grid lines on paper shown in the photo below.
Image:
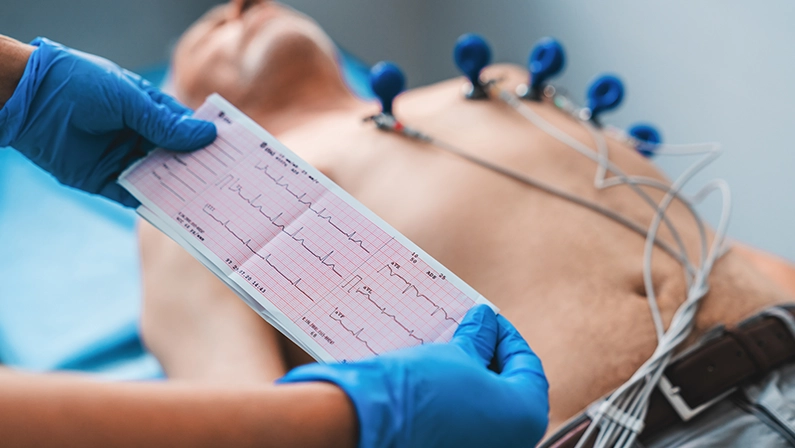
(343, 279)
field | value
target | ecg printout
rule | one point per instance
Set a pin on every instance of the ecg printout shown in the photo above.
(307, 256)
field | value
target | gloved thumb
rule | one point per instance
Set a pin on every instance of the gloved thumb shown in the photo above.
(116, 192)
(514, 357)
(477, 334)
(163, 127)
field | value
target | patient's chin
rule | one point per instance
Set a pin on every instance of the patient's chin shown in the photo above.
(284, 58)
(268, 71)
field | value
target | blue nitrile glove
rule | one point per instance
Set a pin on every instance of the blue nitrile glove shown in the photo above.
(444, 395)
(84, 119)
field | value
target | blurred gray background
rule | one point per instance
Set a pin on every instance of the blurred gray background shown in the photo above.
(711, 70)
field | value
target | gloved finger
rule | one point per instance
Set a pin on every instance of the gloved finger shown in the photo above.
(514, 357)
(157, 95)
(116, 192)
(158, 124)
(477, 334)
(167, 100)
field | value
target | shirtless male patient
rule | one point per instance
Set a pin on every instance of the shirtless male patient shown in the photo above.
(568, 278)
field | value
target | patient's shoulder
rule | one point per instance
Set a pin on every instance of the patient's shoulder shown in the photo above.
(510, 73)
(449, 90)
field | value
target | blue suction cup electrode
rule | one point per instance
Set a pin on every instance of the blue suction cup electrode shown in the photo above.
(546, 61)
(648, 138)
(471, 55)
(605, 93)
(386, 81)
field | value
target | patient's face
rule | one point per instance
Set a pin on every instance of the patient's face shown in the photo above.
(252, 52)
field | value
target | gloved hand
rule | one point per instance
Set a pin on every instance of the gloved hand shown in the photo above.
(85, 120)
(444, 395)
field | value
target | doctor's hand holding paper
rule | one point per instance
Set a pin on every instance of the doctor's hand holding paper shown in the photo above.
(84, 119)
(445, 395)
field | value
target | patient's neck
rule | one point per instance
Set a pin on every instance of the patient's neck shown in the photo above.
(297, 104)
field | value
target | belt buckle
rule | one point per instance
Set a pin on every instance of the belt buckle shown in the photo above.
(671, 393)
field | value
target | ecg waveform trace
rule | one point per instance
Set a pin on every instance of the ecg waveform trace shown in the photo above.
(338, 280)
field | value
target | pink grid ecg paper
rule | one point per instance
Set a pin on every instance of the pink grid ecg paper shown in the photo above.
(326, 271)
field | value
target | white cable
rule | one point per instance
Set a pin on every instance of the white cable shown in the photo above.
(628, 404)
(600, 183)
(683, 321)
(681, 324)
(513, 101)
(631, 399)
(387, 123)
(604, 164)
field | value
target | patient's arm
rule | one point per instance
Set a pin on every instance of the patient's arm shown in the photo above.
(67, 411)
(13, 58)
(773, 267)
(195, 325)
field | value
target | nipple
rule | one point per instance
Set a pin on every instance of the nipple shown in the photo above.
(546, 61)
(471, 55)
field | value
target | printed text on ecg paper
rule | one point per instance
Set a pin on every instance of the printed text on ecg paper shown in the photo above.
(291, 238)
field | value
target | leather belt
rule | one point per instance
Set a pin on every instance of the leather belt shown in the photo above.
(724, 360)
